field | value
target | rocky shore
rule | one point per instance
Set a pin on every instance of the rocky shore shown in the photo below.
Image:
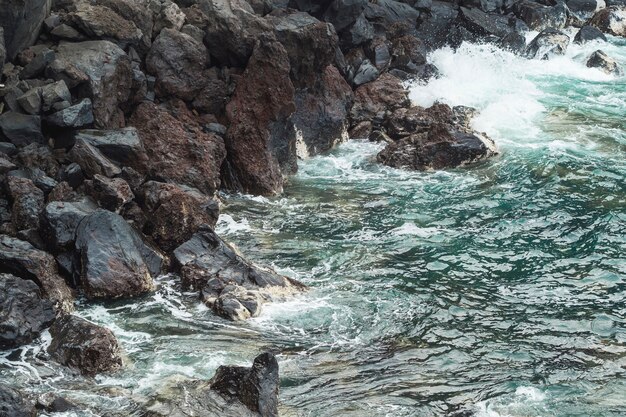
(120, 120)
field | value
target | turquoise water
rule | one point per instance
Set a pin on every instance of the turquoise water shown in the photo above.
(499, 289)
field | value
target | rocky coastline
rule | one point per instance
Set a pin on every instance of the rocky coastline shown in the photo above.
(121, 120)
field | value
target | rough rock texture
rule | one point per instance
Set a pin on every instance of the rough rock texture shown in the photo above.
(261, 139)
(122, 146)
(604, 62)
(21, 259)
(85, 346)
(59, 221)
(174, 213)
(23, 312)
(114, 260)
(92, 161)
(539, 16)
(21, 21)
(28, 201)
(611, 20)
(373, 101)
(76, 116)
(588, 34)
(548, 43)
(177, 147)
(14, 404)
(21, 129)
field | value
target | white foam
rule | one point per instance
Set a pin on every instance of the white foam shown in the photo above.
(226, 224)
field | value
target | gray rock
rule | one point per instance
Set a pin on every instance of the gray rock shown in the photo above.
(22, 22)
(540, 17)
(38, 64)
(92, 161)
(588, 34)
(15, 404)
(72, 174)
(28, 201)
(611, 20)
(604, 62)
(31, 101)
(120, 145)
(76, 116)
(366, 73)
(3, 51)
(67, 33)
(59, 222)
(54, 93)
(111, 193)
(547, 43)
(21, 129)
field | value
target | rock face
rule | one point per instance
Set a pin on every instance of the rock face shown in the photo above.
(21, 129)
(22, 22)
(548, 43)
(588, 34)
(14, 404)
(604, 62)
(60, 220)
(611, 20)
(261, 138)
(23, 311)
(231, 285)
(114, 260)
(82, 345)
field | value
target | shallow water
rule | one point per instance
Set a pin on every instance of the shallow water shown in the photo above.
(498, 289)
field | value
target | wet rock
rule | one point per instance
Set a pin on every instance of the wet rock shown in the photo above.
(91, 160)
(109, 74)
(59, 222)
(604, 62)
(15, 404)
(22, 22)
(27, 200)
(76, 116)
(588, 34)
(261, 138)
(548, 43)
(175, 213)
(436, 27)
(52, 403)
(85, 346)
(21, 129)
(374, 100)
(611, 20)
(177, 146)
(178, 61)
(23, 312)
(514, 42)
(484, 24)
(234, 302)
(585, 9)
(114, 260)
(359, 33)
(407, 121)
(384, 13)
(540, 17)
(110, 193)
(120, 145)
(21, 259)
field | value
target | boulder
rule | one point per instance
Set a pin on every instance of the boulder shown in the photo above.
(38, 157)
(169, 17)
(21, 129)
(28, 201)
(59, 221)
(114, 260)
(87, 347)
(91, 160)
(514, 42)
(24, 313)
(588, 34)
(30, 101)
(216, 90)
(22, 23)
(37, 176)
(605, 63)
(548, 43)
(54, 93)
(15, 404)
(72, 174)
(585, 9)
(484, 25)
(6, 164)
(142, 13)
(366, 73)
(436, 26)
(178, 148)
(3, 51)
(110, 193)
(76, 116)
(407, 121)
(540, 17)
(344, 13)
(358, 33)
(21, 259)
(374, 100)
(261, 137)
(120, 145)
(408, 54)
(174, 213)
(109, 73)
(35, 66)
(611, 20)
(385, 13)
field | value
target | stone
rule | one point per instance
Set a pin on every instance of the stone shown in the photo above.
(72, 174)
(91, 160)
(21, 129)
(484, 24)
(21, 259)
(30, 101)
(114, 260)
(23, 312)
(54, 93)
(63, 70)
(344, 13)
(373, 100)
(170, 17)
(38, 157)
(87, 347)
(436, 26)
(588, 34)
(111, 193)
(540, 17)
(174, 213)
(22, 22)
(366, 73)
(602, 61)
(384, 13)
(359, 33)
(76, 116)
(6, 165)
(120, 145)
(407, 121)
(68, 33)
(28, 201)
(514, 42)
(611, 20)
(34, 68)
(3, 51)
(585, 9)
(15, 404)
(37, 176)
(548, 43)
(59, 222)
(408, 53)
(52, 403)
(141, 13)
(215, 93)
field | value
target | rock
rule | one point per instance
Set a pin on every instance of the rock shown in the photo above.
(175, 213)
(611, 20)
(261, 138)
(37, 176)
(3, 51)
(54, 404)
(585, 9)
(366, 73)
(59, 222)
(215, 92)
(34, 68)
(408, 53)
(76, 116)
(85, 346)
(14, 404)
(23, 312)
(120, 145)
(8, 149)
(38, 157)
(344, 13)
(72, 174)
(91, 160)
(484, 24)
(588, 34)
(177, 147)
(170, 17)
(540, 17)
(30, 101)
(21, 129)
(404, 122)
(359, 33)
(178, 61)
(607, 64)
(111, 193)
(6, 165)
(67, 33)
(514, 42)
(384, 13)
(54, 93)
(436, 26)
(109, 74)
(23, 260)
(114, 260)
(548, 43)
(141, 13)
(373, 100)
(22, 22)
(227, 279)
(62, 70)
(28, 202)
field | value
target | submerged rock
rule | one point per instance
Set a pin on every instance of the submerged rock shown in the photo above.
(85, 346)
(604, 62)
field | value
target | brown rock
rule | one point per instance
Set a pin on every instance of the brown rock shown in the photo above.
(111, 193)
(372, 101)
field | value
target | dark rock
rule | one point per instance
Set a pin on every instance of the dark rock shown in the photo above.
(169, 17)
(76, 116)
(23, 260)
(584, 9)
(23, 312)
(540, 17)
(607, 64)
(54, 93)
(37, 176)
(30, 101)
(366, 73)
(407, 54)
(548, 43)
(110, 193)
(3, 51)
(588, 34)
(141, 13)
(484, 24)
(360, 32)
(375, 99)
(62, 70)
(6, 165)
(435, 28)
(384, 13)
(85, 346)
(91, 160)
(404, 122)
(120, 145)
(28, 202)
(38, 157)
(67, 33)
(217, 128)
(60, 220)
(37, 65)
(175, 213)
(344, 13)
(215, 92)
(54, 404)
(14, 404)
(72, 174)
(514, 42)
(611, 20)
(114, 260)
(22, 22)
(21, 129)
(8, 149)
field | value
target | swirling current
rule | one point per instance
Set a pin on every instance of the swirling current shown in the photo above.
(493, 290)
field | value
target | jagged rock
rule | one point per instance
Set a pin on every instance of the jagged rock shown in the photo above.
(484, 24)
(52, 403)
(405, 121)
(588, 34)
(8, 149)
(37, 176)
(85, 346)
(366, 73)
(14, 404)
(38, 157)
(91, 160)
(30, 101)
(261, 138)
(141, 13)
(3, 51)
(114, 260)
(175, 213)
(110, 193)
(76, 116)
(67, 33)
(6, 164)
(344, 13)
(373, 100)
(63, 70)
(384, 13)
(611, 20)
(359, 33)
(169, 17)
(36, 66)
(23, 312)
(21, 129)
(408, 54)
(72, 174)
(22, 22)
(54, 93)
(215, 92)
(23, 260)
(540, 17)
(438, 24)
(514, 42)
(604, 62)
(178, 61)
(59, 222)
(234, 302)
(109, 74)
(120, 145)
(585, 9)
(548, 43)
(28, 202)
(177, 147)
